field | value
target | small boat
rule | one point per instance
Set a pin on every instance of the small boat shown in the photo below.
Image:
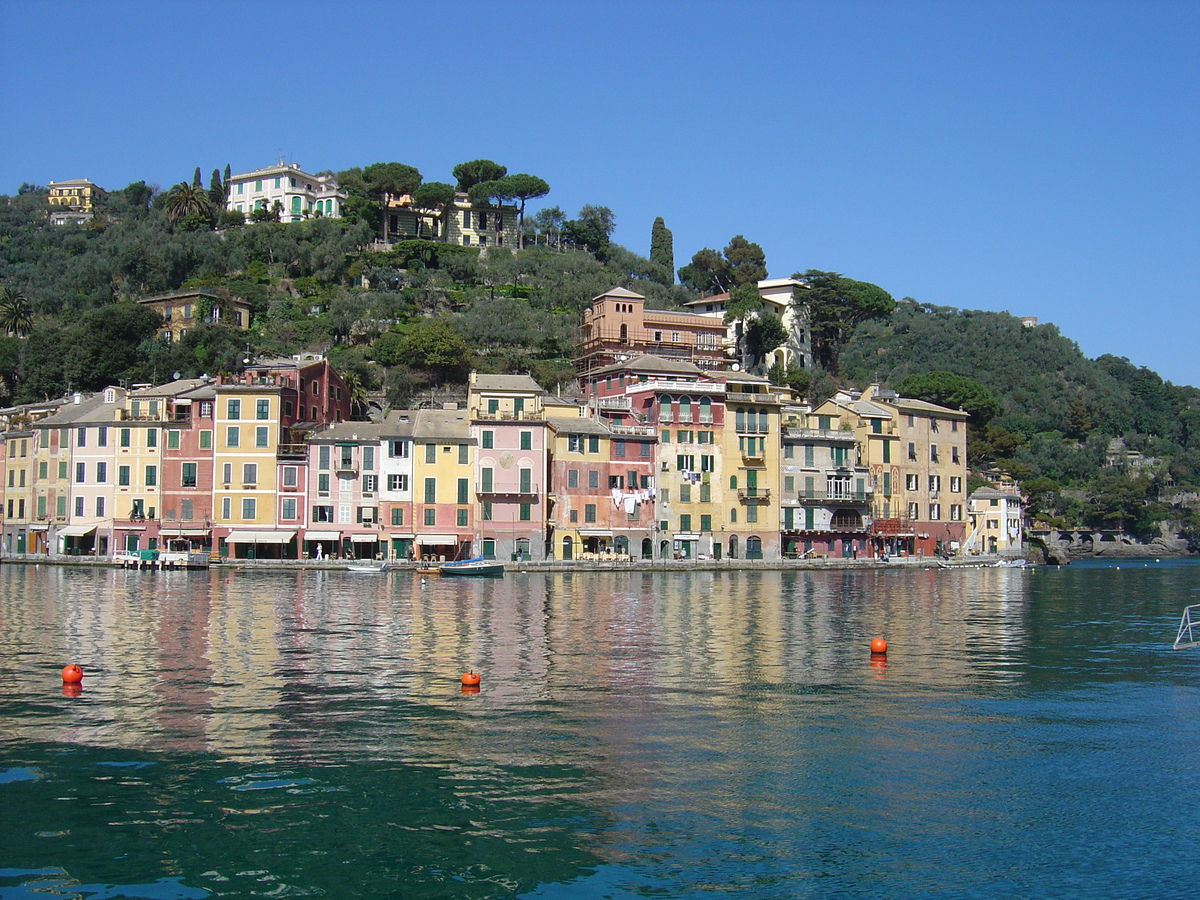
(429, 570)
(475, 566)
(372, 570)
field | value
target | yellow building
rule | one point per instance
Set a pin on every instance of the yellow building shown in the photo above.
(749, 483)
(73, 202)
(443, 462)
(184, 310)
(245, 474)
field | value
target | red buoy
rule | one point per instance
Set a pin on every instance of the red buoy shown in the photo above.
(470, 679)
(879, 645)
(72, 674)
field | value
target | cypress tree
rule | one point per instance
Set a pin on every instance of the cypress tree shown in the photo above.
(662, 249)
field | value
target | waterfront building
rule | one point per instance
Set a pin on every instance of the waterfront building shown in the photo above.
(617, 327)
(508, 424)
(184, 310)
(396, 483)
(443, 461)
(187, 465)
(996, 521)
(74, 202)
(299, 194)
(917, 455)
(825, 493)
(750, 451)
(344, 462)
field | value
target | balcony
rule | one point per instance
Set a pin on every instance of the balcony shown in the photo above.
(644, 430)
(502, 415)
(509, 492)
(345, 467)
(291, 451)
(623, 402)
(754, 495)
(739, 397)
(834, 496)
(819, 434)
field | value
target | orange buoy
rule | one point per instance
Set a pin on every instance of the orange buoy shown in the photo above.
(72, 674)
(72, 689)
(470, 679)
(879, 645)
(470, 689)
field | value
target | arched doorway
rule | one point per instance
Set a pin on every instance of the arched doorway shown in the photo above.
(733, 546)
(621, 545)
(647, 548)
(664, 550)
(568, 548)
(754, 548)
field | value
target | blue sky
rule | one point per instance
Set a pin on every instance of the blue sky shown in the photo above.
(1041, 158)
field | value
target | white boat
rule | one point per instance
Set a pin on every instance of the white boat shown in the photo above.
(370, 570)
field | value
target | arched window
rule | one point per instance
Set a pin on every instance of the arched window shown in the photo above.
(705, 409)
(624, 334)
(685, 409)
(733, 482)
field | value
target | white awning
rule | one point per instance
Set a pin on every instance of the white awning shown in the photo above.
(260, 537)
(76, 530)
(594, 532)
(322, 535)
(364, 538)
(402, 537)
(184, 532)
(436, 539)
(687, 536)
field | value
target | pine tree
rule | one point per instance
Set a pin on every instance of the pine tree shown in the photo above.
(662, 249)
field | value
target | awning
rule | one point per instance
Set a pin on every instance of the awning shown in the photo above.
(39, 527)
(260, 537)
(322, 535)
(128, 528)
(429, 540)
(184, 532)
(593, 532)
(687, 536)
(76, 530)
(364, 538)
(401, 537)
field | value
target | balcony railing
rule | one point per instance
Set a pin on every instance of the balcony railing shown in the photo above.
(633, 429)
(754, 495)
(497, 490)
(823, 496)
(819, 434)
(291, 451)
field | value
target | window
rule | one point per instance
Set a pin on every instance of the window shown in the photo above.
(485, 511)
(173, 440)
(573, 516)
(370, 484)
(431, 453)
(493, 406)
(262, 409)
(78, 506)
(188, 476)
(322, 513)
(914, 510)
(397, 482)
(205, 440)
(705, 493)
(593, 480)
(80, 472)
(589, 512)
(575, 443)
(572, 478)
(685, 493)
(933, 453)
(463, 487)
(250, 473)
(226, 473)
(912, 450)
(488, 439)
(323, 457)
(955, 484)
(935, 482)
(526, 440)
(933, 425)
(526, 481)
(752, 514)
(102, 436)
(685, 523)
(430, 490)
(911, 482)
(935, 511)
(233, 436)
(261, 438)
(431, 516)
(398, 449)
(887, 451)
(249, 506)
(151, 476)
(288, 508)
(619, 449)
(233, 409)
(526, 512)
(152, 437)
(289, 476)
(397, 515)
(955, 512)
(460, 518)
(82, 439)
(463, 454)
(124, 437)
(954, 454)
(123, 476)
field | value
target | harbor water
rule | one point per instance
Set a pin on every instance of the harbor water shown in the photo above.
(1031, 733)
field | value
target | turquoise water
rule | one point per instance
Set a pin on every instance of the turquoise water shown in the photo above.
(636, 735)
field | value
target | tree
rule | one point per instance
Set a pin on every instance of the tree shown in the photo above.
(593, 229)
(662, 249)
(747, 262)
(523, 188)
(437, 346)
(550, 222)
(835, 306)
(386, 181)
(708, 273)
(953, 391)
(431, 198)
(764, 333)
(216, 191)
(16, 316)
(188, 200)
(472, 173)
(745, 302)
(196, 182)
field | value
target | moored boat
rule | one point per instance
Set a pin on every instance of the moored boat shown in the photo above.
(476, 566)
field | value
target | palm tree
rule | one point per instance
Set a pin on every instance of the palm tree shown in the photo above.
(16, 316)
(357, 391)
(185, 200)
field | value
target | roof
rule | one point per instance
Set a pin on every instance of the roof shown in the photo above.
(357, 432)
(650, 364)
(923, 406)
(447, 425)
(621, 292)
(170, 389)
(521, 383)
(990, 493)
(93, 409)
(565, 425)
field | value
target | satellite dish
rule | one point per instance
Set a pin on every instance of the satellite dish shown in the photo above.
(736, 367)
(175, 375)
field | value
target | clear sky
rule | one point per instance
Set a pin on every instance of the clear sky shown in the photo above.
(1041, 158)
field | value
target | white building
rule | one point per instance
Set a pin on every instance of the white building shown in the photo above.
(299, 194)
(996, 522)
(776, 296)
